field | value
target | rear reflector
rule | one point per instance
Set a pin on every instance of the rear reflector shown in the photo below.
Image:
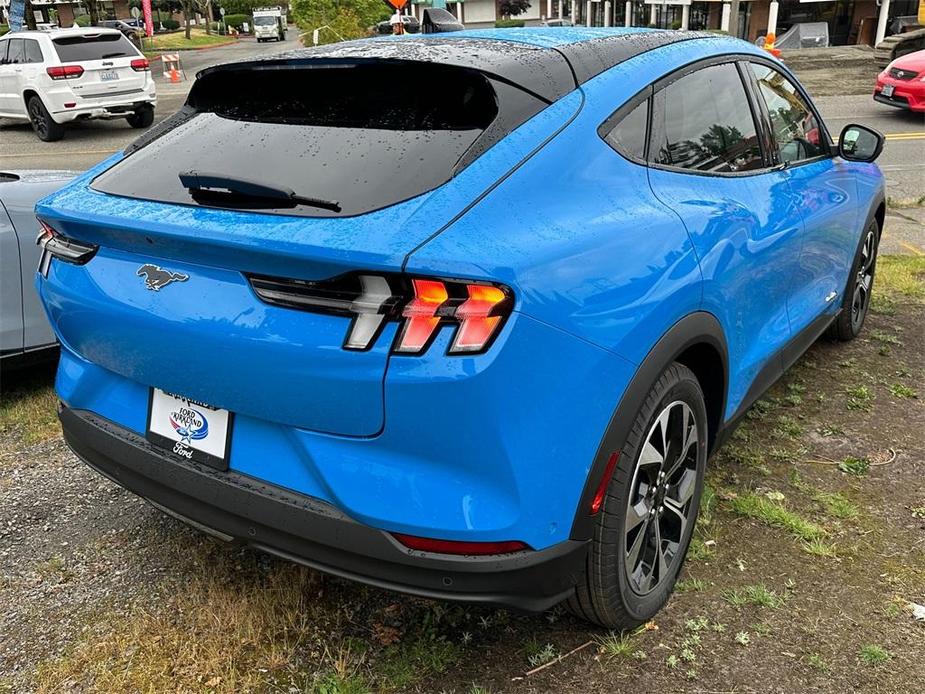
(140, 64)
(598, 499)
(426, 544)
(420, 305)
(64, 72)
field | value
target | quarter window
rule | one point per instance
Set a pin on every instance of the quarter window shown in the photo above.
(629, 135)
(708, 123)
(33, 51)
(16, 54)
(796, 129)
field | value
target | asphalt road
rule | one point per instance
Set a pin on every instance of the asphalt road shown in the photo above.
(903, 158)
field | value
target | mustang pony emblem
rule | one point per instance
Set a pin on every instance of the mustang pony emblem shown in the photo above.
(156, 277)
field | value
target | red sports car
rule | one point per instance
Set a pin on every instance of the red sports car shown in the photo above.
(902, 83)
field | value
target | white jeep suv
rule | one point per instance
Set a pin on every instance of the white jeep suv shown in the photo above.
(53, 77)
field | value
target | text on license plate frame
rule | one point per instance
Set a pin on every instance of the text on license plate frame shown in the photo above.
(189, 429)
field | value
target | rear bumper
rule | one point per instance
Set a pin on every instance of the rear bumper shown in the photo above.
(239, 508)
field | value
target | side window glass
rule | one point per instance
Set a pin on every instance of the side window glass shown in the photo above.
(33, 51)
(3, 48)
(15, 55)
(796, 129)
(709, 124)
(628, 136)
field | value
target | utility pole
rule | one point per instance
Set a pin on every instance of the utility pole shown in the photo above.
(734, 17)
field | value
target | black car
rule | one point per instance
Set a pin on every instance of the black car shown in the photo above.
(411, 24)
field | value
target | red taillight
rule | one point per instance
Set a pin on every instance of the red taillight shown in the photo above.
(426, 544)
(420, 305)
(598, 499)
(420, 314)
(140, 64)
(477, 319)
(64, 72)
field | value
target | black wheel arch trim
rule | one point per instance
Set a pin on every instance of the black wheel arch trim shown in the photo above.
(694, 329)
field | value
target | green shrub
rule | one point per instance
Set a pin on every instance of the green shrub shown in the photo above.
(237, 20)
(82, 21)
(170, 24)
(3, 29)
(509, 23)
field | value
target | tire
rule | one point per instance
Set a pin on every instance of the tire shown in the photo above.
(856, 301)
(143, 117)
(612, 593)
(42, 123)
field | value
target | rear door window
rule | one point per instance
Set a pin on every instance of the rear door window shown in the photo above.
(17, 53)
(708, 123)
(364, 136)
(33, 52)
(78, 49)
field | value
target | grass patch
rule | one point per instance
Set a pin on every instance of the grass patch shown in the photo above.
(29, 406)
(788, 427)
(759, 595)
(855, 466)
(540, 654)
(776, 515)
(691, 585)
(820, 548)
(616, 645)
(872, 654)
(177, 40)
(817, 662)
(901, 276)
(902, 391)
(859, 398)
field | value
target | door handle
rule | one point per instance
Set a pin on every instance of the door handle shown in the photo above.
(830, 296)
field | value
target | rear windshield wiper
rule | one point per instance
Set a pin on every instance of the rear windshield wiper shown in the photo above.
(214, 184)
(119, 54)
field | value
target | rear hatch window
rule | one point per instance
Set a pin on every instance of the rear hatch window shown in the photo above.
(78, 49)
(322, 138)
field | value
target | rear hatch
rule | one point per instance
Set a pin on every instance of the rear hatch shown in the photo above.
(376, 157)
(106, 59)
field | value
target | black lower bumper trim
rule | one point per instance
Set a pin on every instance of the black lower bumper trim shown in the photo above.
(308, 531)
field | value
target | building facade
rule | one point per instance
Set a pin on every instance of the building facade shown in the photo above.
(850, 21)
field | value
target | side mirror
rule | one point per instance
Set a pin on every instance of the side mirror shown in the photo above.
(860, 143)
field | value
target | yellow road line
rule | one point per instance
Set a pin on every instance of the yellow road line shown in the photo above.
(910, 247)
(905, 136)
(48, 154)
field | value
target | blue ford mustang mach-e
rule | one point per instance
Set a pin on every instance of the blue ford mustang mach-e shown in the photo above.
(461, 315)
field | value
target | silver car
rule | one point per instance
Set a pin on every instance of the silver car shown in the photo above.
(25, 334)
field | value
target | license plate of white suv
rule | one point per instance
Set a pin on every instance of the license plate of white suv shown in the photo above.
(108, 75)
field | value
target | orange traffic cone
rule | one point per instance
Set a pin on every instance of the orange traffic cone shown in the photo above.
(174, 75)
(769, 45)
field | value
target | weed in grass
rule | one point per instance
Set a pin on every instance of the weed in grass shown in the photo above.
(835, 504)
(699, 550)
(615, 645)
(815, 661)
(855, 466)
(884, 351)
(759, 595)
(690, 585)
(831, 430)
(821, 548)
(697, 624)
(707, 506)
(691, 642)
(859, 398)
(691, 674)
(885, 338)
(917, 511)
(333, 683)
(540, 655)
(789, 427)
(848, 363)
(776, 515)
(672, 661)
(688, 655)
(718, 627)
(476, 689)
(743, 638)
(872, 654)
(28, 406)
(761, 629)
(761, 409)
(902, 391)
(639, 655)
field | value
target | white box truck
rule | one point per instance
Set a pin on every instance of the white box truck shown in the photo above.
(270, 24)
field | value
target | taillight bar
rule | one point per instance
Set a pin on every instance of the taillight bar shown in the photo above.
(421, 306)
(54, 245)
(65, 72)
(140, 65)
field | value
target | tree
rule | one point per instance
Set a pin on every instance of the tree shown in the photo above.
(350, 19)
(512, 8)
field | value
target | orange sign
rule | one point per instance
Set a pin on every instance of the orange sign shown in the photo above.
(396, 4)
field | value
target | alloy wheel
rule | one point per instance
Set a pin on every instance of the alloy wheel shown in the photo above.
(38, 118)
(860, 302)
(661, 494)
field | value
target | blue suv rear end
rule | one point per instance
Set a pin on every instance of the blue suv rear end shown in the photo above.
(459, 316)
